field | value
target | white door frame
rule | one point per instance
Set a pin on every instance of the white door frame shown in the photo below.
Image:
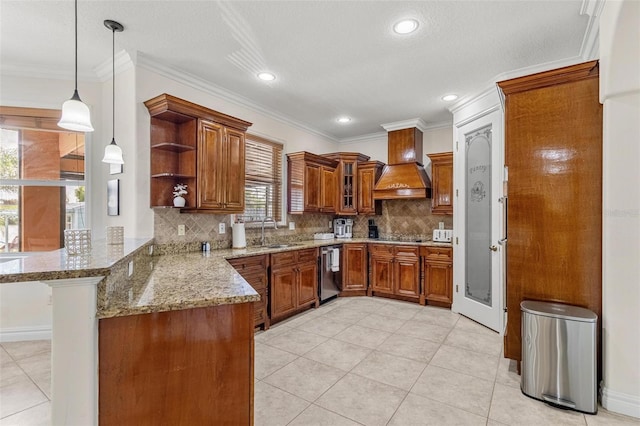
(492, 317)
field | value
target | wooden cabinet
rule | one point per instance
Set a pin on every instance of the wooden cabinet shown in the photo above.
(438, 276)
(394, 270)
(368, 174)
(254, 270)
(553, 148)
(405, 146)
(200, 147)
(354, 269)
(441, 183)
(311, 183)
(347, 173)
(220, 168)
(294, 282)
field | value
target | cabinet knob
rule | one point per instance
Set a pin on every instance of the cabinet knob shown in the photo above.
(493, 248)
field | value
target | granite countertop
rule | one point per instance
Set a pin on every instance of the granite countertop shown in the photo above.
(56, 264)
(159, 283)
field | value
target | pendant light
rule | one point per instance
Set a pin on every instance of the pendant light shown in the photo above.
(75, 114)
(112, 152)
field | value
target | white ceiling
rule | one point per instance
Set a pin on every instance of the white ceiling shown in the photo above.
(331, 58)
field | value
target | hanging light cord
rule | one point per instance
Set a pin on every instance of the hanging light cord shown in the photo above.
(113, 76)
(76, 34)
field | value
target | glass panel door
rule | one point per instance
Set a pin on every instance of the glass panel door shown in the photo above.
(478, 215)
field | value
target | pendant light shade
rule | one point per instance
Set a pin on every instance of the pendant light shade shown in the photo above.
(75, 114)
(112, 152)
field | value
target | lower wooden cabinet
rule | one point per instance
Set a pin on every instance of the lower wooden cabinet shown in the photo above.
(438, 276)
(354, 269)
(294, 282)
(394, 270)
(254, 270)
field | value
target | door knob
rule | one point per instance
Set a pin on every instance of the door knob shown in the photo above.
(493, 248)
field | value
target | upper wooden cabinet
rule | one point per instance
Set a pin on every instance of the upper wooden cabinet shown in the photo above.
(347, 173)
(200, 147)
(405, 146)
(311, 184)
(441, 183)
(368, 174)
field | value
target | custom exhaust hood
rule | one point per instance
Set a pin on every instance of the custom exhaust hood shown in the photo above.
(404, 177)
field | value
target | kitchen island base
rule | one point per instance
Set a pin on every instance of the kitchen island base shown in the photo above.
(192, 366)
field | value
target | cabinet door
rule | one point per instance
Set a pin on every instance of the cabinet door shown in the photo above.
(381, 274)
(366, 183)
(442, 183)
(283, 291)
(329, 190)
(354, 271)
(347, 187)
(234, 171)
(438, 285)
(407, 276)
(312, 185)
(307, 283)
(210, 158)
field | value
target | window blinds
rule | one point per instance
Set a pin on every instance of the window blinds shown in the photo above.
(263, 179)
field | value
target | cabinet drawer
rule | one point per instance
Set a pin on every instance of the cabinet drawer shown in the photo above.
(243, 263)
(282, 259)
(257, 280)
(381, 249)
(442, 254)
(307, 255)
(407, 251)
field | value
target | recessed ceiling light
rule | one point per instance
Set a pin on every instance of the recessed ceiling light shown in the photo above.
(344, 119)
(448, 98)
(266, 76)
(405, 26)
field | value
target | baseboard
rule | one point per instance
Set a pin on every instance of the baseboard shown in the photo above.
(19, 334)
(620, 403)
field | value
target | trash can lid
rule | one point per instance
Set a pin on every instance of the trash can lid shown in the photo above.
(558, 310)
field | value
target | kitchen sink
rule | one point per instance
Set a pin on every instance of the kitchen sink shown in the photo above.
(282, 245)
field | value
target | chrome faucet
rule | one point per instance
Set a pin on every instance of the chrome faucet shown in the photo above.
(267, 219)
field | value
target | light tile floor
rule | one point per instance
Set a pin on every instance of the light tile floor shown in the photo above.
(353, 361)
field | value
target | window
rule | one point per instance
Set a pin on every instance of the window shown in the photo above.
(41, 180)
(263, 180)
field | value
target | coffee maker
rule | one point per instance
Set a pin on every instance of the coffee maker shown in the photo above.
(348, 228)
(339, 228)
(373, 229)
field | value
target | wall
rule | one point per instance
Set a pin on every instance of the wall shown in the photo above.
(620, 95)
(25, 311)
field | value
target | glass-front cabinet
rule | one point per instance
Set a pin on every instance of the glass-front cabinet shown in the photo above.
(348, 180)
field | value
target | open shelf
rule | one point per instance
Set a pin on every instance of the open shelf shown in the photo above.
(173, 147)
(172, 175)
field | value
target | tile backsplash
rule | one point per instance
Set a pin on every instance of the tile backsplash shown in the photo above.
(400, 219)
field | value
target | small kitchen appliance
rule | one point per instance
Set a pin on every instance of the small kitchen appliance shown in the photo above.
(442, 235)
(348, 228)
(373, 229)
(339, 228)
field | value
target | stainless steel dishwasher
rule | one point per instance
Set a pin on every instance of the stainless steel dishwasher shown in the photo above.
(330, 281)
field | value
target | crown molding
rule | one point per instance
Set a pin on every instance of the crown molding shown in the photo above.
(590, 48)
(363, 138)
(143, 61)
(30, 71)
(418, 123)
(123, 63)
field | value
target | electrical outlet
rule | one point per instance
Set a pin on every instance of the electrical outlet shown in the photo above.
(292, 226)
(151, 250)
(330, 224)
(181, 230)
(221, 228)
(130, 267)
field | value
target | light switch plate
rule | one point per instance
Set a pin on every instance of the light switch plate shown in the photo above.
(221, 228)
(181, 230)
(292, 226)
(130, 267)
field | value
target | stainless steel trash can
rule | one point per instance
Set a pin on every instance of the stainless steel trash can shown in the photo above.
(559, 355)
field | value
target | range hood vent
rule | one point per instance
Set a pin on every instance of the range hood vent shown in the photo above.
(404, 177)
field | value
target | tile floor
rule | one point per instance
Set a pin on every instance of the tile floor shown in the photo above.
(353, 361)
